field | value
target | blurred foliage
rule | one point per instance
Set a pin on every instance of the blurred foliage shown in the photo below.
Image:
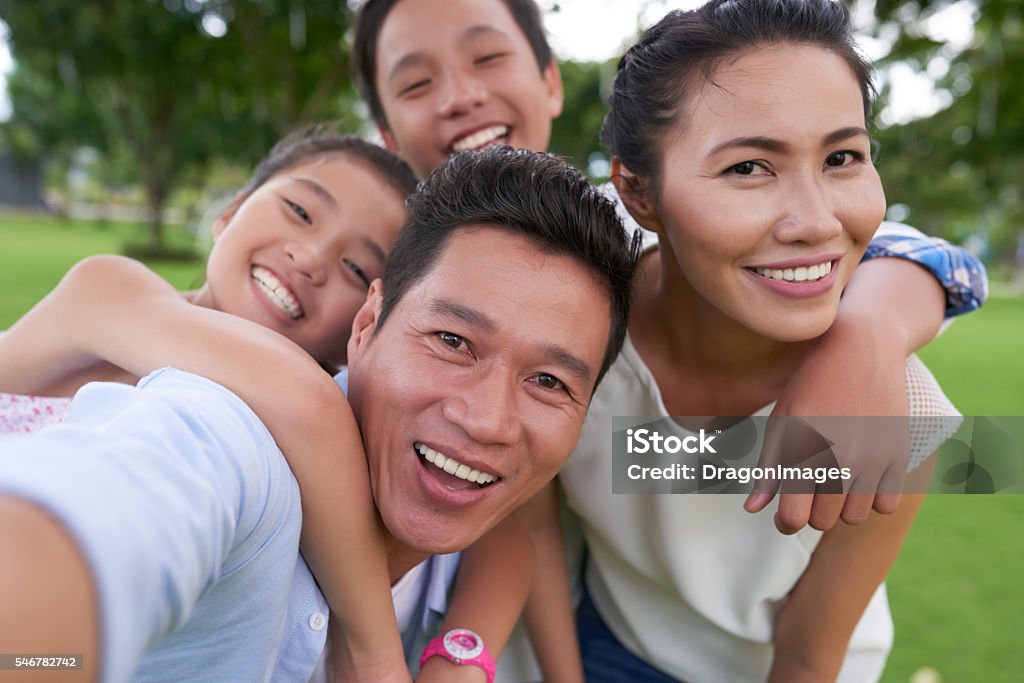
(161, 87)
(575, 134)
(960, 171)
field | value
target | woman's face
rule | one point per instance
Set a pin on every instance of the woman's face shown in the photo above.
(298, 254)
(768, 196)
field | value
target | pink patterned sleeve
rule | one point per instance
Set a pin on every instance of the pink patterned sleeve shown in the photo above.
(23, 414)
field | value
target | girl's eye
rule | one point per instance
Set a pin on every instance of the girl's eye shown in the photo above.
(844, 158)
(360, 273)
(299, 211)
(747, 168)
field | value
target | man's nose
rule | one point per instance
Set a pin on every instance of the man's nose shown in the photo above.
(486, 409)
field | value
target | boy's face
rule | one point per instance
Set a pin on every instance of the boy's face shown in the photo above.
(460, 74)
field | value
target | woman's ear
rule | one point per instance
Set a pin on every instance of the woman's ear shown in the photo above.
(636, 196)
(365, 322)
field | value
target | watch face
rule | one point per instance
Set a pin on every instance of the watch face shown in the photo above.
(463, 644)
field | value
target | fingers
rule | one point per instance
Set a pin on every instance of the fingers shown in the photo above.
(771, 454)
(890, 489)
(794, 512)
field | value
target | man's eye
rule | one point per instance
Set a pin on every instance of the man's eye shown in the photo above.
(550, 382)
(299, 211)
(452, 340)
(360, 273)
(843, 158)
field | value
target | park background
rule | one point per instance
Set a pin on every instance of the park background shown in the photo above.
(126, 124)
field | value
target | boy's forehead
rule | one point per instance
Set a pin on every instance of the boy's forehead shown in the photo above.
(416, 28)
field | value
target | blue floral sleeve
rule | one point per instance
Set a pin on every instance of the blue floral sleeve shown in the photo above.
(961, 274)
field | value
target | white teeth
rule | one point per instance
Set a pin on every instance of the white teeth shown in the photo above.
(453, 466)
(480, 138)
(277, 292)
(799, 274)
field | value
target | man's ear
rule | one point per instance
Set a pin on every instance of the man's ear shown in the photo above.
(365, 322)
(636, 196)
(553, 80)
(390, 144)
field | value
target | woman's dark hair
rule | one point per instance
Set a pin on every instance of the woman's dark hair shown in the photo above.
(315, 142)
(537, 196)
(371, 18)
(680, 54)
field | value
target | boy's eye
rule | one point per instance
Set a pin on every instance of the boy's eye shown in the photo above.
(489, 57)
(360, 273)
(299, 211)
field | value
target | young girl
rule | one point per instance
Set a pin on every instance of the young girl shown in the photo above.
(740, 138)
(294, 253)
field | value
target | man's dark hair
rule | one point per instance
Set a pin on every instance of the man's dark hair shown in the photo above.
(319, 141)
(537, 196)
(371, 18)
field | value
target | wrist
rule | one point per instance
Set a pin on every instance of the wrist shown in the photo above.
(461, 647)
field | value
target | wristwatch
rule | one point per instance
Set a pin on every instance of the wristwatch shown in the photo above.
(461, 646)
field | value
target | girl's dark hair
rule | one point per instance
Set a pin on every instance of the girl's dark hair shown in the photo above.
(681, 53)
(311, 143)
(371, 18)
(537, 196)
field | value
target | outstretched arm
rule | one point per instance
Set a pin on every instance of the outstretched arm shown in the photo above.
(890, 308)
(114, 309)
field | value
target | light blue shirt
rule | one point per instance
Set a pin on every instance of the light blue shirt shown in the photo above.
(189, 519)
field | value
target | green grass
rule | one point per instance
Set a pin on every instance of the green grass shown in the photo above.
(955, 588)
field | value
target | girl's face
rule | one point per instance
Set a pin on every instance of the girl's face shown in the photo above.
(768, 195)
(298, 254)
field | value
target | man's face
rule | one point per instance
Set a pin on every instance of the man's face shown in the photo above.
(485, 366)
(460, 74)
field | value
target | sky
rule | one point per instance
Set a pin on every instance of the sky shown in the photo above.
(592, 30)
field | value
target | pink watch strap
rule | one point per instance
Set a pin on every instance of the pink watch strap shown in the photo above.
(461, 646)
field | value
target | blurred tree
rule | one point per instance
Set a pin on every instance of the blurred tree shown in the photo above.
(575, 134)
(961, 170)
(170, 84)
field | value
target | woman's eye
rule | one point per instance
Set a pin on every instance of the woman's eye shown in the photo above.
(299, 211)
(843, 158)
(360, 273)
(748, 168)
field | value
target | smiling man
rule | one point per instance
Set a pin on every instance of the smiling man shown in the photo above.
(157, 531)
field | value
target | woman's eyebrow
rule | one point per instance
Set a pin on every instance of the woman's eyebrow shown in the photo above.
(773, 145)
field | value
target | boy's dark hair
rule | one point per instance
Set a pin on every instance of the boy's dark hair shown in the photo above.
(531, 194)
(371, 18)
(680, 53)
(318, 141)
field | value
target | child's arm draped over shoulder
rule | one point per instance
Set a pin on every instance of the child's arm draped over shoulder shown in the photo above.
(114, 309)
(549, 615)
(893, 305)
(490, 589)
